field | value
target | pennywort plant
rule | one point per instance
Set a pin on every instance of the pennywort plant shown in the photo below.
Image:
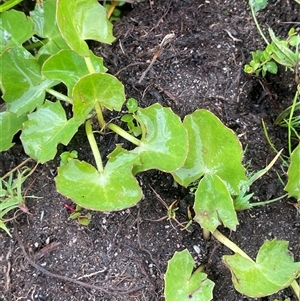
(48, 49)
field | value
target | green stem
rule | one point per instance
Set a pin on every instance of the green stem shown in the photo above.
(123, 134)
(94, 147)
(271, 144)
(296, 288)
(265, 202)
(89, 64)
(290, 123)
(36, 44)
(229, 244)
(206, 234)
(100, 117)
(60, 96)
(256, 23)
(9, 4)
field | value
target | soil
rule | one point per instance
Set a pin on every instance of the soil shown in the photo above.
(126, 253)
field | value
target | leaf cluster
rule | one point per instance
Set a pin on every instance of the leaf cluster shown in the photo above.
(279, 51)
(48, 49)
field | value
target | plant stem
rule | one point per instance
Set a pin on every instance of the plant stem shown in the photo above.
(256, 23)
(36, 44)
(100, 117)
(60, 96)
(94, 147)
(89, 64)
(296, 288)
(123, 134)
(290, 122)
(265, 202)
(271, 144)
(206, 234)
(229, 244)
(9, 4)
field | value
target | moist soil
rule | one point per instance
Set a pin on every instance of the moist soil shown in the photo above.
(126, 253)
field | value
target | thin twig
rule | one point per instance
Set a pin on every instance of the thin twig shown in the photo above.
(164, 42)
(7, 283)
(114, 291)
(14, 169)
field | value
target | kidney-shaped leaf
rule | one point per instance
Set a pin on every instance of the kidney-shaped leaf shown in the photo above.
(45, 129)
(273, 270)
(10, 24)
(165, 144)
(68, 67)
(45, 27)
(293, 184)
(83, 20)
(97, 87)
(213, 204)
(181, 284)
(213, 148)
(113, 189)
(22, 82)
(10, 124)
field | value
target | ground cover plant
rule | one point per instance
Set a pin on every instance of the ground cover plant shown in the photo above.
(185, 149)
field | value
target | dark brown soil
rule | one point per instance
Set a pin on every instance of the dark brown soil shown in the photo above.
(126, 252)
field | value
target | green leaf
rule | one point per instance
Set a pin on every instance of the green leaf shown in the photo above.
(273, 270)
(132, 105)
(214, 149)
(259, 4)
(10, 124)
(97, 87)
(281, 52)
(3, 227)
(45, 27)
(67, 66)
(272, 67)
(114, 189)
(293, 184)
(248, 69)
(83, 20)
(213, 204)
(45, 129)
(10, 24)
(182, 284)
(22, 83)
(164, 143)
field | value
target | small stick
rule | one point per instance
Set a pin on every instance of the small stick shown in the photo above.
(14, 169)
(67, 279)
(164, 42)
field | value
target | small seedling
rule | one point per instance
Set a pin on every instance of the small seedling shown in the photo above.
(12, 196)
(83, 219)
(171, 212)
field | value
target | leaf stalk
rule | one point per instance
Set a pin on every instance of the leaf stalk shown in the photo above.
(94, 147)
(123, 134)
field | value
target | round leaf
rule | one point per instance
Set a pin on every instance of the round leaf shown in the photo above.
(273, 270)
(213, 148)
(214, 205)
(22, 82)
(45, 128)
(83, 20)
(10, 24)
(114, 189)
(45, 27)
(97, 87)
(165, 144)
(67, 66)
(182, 284)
